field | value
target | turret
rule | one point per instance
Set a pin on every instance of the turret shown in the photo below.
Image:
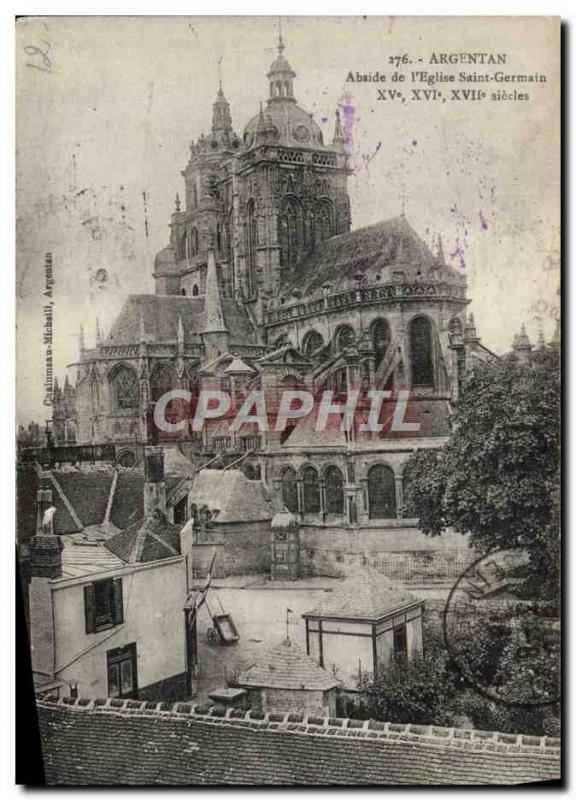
(522, 345)
(338, 140)
(221, 117)
(215, 333)
(281, 76)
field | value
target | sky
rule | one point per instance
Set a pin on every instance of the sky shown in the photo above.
(107, 107)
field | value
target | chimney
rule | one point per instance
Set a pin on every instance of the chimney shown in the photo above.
(155, 486)
(45, 547)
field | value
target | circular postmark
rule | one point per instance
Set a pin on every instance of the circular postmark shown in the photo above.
(501, 637)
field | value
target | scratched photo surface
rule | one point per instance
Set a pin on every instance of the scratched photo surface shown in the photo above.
(288, 397)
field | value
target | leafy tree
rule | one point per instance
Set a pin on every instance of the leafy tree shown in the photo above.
(498, 477)
(419, 691)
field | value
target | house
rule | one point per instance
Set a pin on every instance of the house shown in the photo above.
(363, 627)
(107, 616)
(232, 516)
(288, 679)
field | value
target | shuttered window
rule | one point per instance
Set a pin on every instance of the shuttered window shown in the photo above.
(103, 604)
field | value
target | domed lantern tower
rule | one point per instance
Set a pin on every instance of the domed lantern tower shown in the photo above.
(292, 187)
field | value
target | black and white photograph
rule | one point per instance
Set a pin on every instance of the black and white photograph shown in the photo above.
(288, 399)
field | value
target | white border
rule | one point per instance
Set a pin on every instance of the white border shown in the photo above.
(9, 10)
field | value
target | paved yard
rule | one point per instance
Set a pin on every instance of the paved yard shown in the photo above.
(258, 607)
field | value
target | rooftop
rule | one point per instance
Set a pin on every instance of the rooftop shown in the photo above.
(127, 742)
(366, 595)
(229, 492)
(287, 666)
(373, 254)
(149, 539)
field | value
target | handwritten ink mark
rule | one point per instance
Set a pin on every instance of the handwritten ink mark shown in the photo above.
(33, 50)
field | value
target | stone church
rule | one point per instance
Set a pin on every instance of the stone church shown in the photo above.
(264, 285)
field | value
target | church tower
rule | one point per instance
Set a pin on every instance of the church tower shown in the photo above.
(292, 188)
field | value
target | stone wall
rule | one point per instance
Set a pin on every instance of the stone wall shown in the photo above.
(400, 552)
(242, 548)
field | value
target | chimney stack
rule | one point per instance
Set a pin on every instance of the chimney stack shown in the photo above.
(155, 486)
(45, 547)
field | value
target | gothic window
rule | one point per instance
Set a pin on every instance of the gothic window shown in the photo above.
(161, 381)
(251, 236)
(183, 292)
(290, 232)
(195, 194)
(194, 242)
(381, 492)
(421, 360)
(311, 489)
(344, 337)
(124, 389)
(380, 332)
(311, 342)
(334, 486)
(309, 232)
(323, 221)
(289, 489)
(195, 290)
(185, 246)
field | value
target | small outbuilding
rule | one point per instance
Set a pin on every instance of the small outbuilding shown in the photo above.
(287, 679)
(364, 626)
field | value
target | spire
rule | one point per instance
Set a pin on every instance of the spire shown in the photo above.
(338, 132)
(541, 340)
(470, 334)
(221, 118)
(522, 344)
(440, 250)
(281, 76)
(177, 204)
(213, 314)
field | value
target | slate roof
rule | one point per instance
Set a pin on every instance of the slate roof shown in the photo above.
(365, 595)
(287, 666)
(379, 249)
(160, 313)
(131, 743)
(149, 539)
(83, 559)
(229, 491)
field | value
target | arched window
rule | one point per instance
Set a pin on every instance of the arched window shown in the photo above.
(194, 243)
(381, 492)
(161, 381)
(323, 221)
(289, 489)
(344, 337)
(194, 194)
(183, 292)
(185, 246)
(311, 342)
(334, 486)
(251, 237)
(311, 490)
(124, 388)
(421, 360)
(380, 334)
(70, 432)
(195, 290)
(290, 232)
